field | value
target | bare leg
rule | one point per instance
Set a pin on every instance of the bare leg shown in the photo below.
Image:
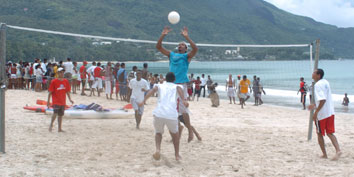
(242, 102)
(158, 139)
(322, 145)
(230, 100)
(175, 139)
(54, 116)
(188, 125)
(137, 119)
(233, 98)
(336, 146)
(60, 120)
(180, 130)
(196, 133)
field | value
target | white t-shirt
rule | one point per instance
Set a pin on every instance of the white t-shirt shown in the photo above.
(91, 69)
(203, 80)
(44, 67)
(136, 87)
(39, 72)
(323, 92)
(167, 101)
(68, 66)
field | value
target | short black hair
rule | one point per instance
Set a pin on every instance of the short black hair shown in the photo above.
(145, 65)
(170, 77)
(122, 64)
(244, 76)
(99, 64)
(134, 68)
(320, 72)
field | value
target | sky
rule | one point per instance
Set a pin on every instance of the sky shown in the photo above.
(335, 12)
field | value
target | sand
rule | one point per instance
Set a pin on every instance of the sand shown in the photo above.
(257, 141)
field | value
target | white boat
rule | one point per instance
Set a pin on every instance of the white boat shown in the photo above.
(91, 114)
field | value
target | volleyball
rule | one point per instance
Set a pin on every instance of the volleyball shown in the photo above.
(173, 17)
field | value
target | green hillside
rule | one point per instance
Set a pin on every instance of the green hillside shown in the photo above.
(209, 21)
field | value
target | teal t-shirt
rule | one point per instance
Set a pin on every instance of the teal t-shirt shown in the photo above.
(179, 66)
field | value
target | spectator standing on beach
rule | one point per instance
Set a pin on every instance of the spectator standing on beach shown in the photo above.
(68, 67)
(166, 112)
(230, 88)
(197, 84)
(145, 72)
(83, 76)
(209, 83)
(108, 79)
(122, 79)
(98, 79)
(131, 75)
(91, 77)
(255, 88)
(75, 76)
(115, 75)
(138, 86)
(345, 100)
(179, 64)
(59, 88)
(324, 113)
(259, 92)
(203, 84)
(238, 80)
(245, 84)
(303, 90)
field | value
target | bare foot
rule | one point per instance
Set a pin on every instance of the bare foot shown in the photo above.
(156, 156)
(199, 138)
(336, 157)
(323, 156)
(190, 138)
(178, 158)
(61, 131)
(50, 128)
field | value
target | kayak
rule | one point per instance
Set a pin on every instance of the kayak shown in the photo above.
(35, 108)
(92, 114)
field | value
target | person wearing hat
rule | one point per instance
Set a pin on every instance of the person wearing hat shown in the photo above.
(58, 89)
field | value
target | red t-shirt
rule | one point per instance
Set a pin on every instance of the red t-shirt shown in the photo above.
(59, 89)
(302, 85)
(83, 72)
(97, 72)
(197, 84)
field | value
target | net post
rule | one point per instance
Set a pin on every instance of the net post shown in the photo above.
(2, 85)
(317, 56)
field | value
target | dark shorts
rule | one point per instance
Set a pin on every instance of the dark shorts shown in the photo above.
(68, 76)
(58, 109)
(197, 92)
(303, 97)
(180, 118)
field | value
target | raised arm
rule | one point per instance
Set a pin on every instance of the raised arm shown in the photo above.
(159, 47)
(194, 51)
(148, 95)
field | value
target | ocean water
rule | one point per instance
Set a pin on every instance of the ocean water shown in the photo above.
(279, 78)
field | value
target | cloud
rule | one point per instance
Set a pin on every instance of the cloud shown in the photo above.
(334, 12)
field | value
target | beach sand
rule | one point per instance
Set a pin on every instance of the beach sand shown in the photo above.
(257, 141)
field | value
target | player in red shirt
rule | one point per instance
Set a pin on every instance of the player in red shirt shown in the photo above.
(197, 88)
(83, 74)
(98, 79)
(303, 91)
(58, 89)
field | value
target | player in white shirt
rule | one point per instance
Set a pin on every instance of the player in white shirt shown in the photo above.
(138, 86)
(324, 113)
(166, 112)
(91, 78)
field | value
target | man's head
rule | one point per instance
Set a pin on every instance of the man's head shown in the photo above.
(239, 77)
(138, 75)
(345, 94)
(68, 59)
(61, 72)
(198, 78)
(170, 77)
(301, 79)
(85, 63)
(258, 79)
(134, 68)
(244, 77)
(93, 63)
(182, 47)
(192, 75)
(145, 65)
(109, 64)
(45, 60)
(75, 63)
(317, 74)
(208, 76)
(122, 65)
(202, 75)
(99, 64)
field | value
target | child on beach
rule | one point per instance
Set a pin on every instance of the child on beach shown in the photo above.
(58, 90)
(166, 112)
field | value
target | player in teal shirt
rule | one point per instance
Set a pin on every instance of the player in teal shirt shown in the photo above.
(179, 64)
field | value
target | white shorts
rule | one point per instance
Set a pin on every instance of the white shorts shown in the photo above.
(244, 95)
(230, 92)
(98, 83)
(136, 106)
(108, 87)
(181, 108)
(13, 76)
(159, 124)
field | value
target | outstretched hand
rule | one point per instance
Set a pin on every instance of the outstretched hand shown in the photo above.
(184, 32)
(166, 30)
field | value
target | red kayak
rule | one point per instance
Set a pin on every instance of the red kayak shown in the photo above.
(35, 108)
